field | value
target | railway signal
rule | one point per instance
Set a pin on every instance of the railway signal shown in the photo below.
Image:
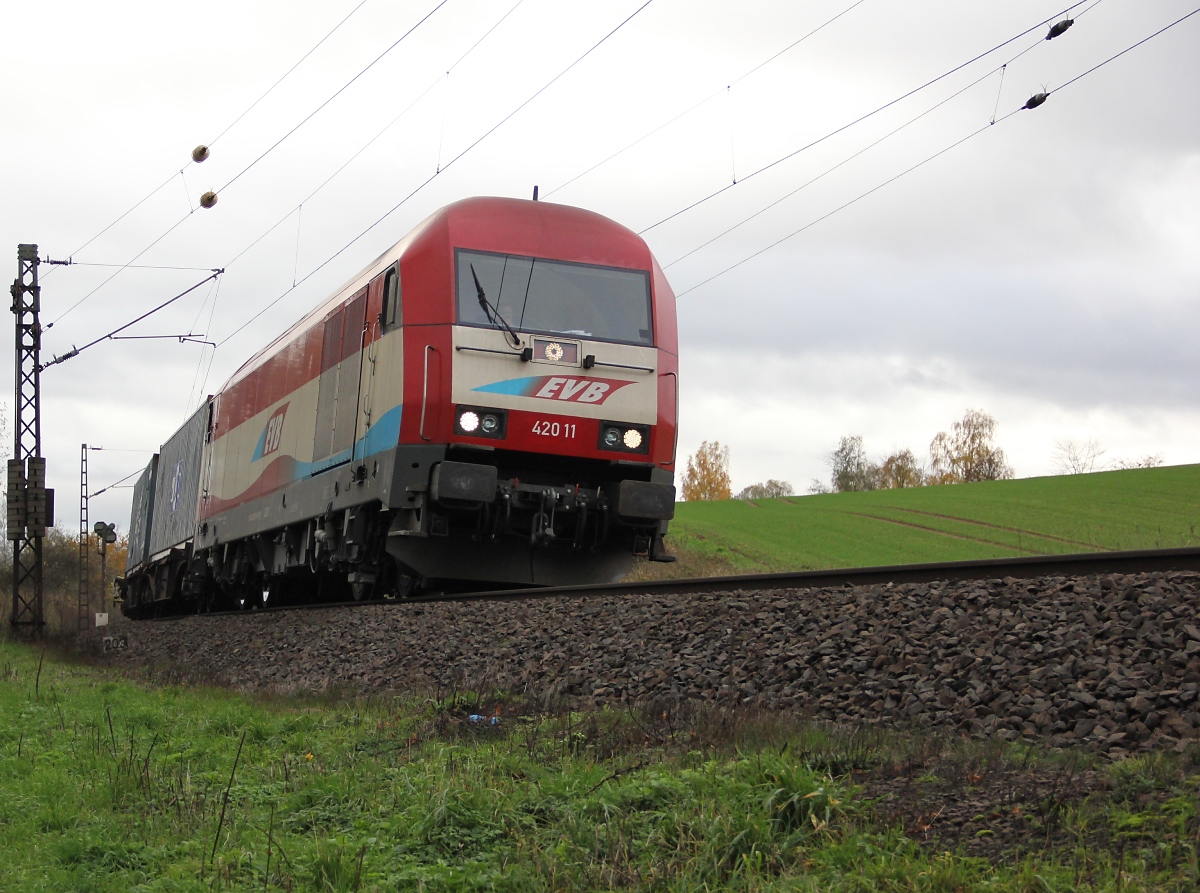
(106, 535)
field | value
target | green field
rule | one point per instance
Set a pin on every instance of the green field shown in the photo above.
(109, 783)
(1115, 510)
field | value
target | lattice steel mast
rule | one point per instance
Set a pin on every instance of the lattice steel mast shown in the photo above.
(29, 502)
(84, 607)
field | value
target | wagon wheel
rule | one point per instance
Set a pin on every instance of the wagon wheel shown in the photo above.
(407, 587)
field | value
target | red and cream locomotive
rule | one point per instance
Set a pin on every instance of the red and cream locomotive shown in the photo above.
(493, 400)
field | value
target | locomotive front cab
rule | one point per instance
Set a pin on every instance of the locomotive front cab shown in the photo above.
(559, 444)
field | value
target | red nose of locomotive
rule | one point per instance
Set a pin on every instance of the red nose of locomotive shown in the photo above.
(561, 384)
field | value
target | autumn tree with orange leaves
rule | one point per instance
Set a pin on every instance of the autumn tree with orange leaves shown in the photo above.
(707, 474)
(899, 470)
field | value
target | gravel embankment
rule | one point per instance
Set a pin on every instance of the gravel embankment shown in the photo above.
(1111, 662)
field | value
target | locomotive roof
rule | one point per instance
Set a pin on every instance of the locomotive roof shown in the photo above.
(517, 226)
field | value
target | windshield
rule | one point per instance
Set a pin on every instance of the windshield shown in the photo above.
(552, 297)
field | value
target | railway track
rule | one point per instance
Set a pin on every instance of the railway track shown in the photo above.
(1101, 649)
(1075, 565)
(1080, 565)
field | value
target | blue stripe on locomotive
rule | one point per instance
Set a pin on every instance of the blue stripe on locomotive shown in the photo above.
(381, 436)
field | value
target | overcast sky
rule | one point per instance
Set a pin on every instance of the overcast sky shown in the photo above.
(1046, 269)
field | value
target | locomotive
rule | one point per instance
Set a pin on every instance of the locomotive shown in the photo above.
(493, 401)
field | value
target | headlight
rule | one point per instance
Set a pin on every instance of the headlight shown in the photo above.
(622, 437)
(481, 421)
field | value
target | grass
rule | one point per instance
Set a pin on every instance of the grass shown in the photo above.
(114, 783)
(1114, 510)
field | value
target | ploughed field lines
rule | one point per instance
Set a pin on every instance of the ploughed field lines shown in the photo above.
(1110, 661)
(1014, 540)
(1154, 508)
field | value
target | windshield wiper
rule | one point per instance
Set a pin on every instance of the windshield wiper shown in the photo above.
(492, 313)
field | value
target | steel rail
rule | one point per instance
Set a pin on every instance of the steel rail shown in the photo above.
(1070, 565)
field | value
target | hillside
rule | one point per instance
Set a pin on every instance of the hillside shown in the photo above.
(1113, 510)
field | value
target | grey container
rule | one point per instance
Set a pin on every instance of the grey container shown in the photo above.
(177, 488)
(140, 516)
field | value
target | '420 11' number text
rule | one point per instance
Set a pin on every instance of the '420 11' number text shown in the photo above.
(545, 428)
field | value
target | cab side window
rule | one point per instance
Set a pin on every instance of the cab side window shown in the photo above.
(391, 297)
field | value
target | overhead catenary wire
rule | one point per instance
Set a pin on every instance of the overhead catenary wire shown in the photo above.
(1063, 86)
(76, 351)
(835, 167)
(199, 310)
(848, 125)
(845, 205)
(935, 155)
(80, 263)
(373, 139)
(296, 259)
(284, 76)
(117, 484)
(1001, 69)
(999, 89)
(298, 208)
(335, 95)
(278, 142)
(437, 173)
(167, 181)
(442, 125)
(195, 394)
(1097, 67)
(122, 268)
(153, 192)
(706, 99)
(732, 148)
(188, 337)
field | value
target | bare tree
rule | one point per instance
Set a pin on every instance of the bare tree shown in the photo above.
(772, 489)
(967, 453)
(1154, 461)
(1074, 457)
(850, 467)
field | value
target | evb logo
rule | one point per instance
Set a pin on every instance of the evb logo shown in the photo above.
(593, 391)
(272, 434)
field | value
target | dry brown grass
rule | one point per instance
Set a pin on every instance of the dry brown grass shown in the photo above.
(690, 564)
(59, 612)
